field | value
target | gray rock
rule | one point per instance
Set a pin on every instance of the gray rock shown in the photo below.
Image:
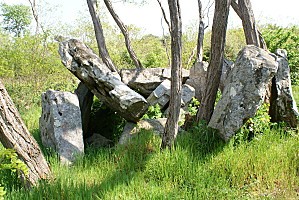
(60, 124)
(106, 85)
(244, 91)
(226, 68)
(98, 141)
(85, 97)
(161, 94)
(282, 104)
(146, 80)
(130, 129)
(197, 78)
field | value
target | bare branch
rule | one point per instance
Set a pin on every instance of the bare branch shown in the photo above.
(125, 33)
(164, 15)
(100, 36)
(165, 43)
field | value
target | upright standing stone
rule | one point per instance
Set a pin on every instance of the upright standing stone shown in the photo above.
(85, 97)
(244, 92)
(60, 124)
(282, 104)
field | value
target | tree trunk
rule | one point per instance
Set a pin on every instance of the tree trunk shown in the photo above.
(244, 10)
(100, 36)
(200, 37)
(14, 135)
(171, 128)
(125, 33)
(216, 59)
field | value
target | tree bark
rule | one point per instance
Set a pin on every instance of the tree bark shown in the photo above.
(14, 135)
(125, 33)
(216, 60)
(244, 10)
(100, 36)
(201, 29)
(171, 128)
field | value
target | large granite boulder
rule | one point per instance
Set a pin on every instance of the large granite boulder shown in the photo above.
(244, 92)
(282, 104)
(60, 124)
(146, 80)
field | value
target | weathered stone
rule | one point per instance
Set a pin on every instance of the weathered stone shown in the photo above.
(146, 80)
(282, 104)
(244, 91)
(226, 68)
(157, 125)
(188, 92)
(161, 94)
(197, 78)
(85, 97)
(60, 124)
(107, 86)
(98, 141)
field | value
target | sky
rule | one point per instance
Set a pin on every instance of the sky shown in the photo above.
(148, 17)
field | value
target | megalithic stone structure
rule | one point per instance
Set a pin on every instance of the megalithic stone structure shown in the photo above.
(106, 85)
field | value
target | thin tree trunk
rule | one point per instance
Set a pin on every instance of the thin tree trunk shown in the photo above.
(14, 135)
(200, 37)
(216, 60)
(125, 33)
(100, 36)
(244, 10)
(171, 128)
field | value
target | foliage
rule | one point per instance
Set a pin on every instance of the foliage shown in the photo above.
(277, 37)
(11, 168)
(153, 112)
(30, 65)
(16, 18)
(193, 106)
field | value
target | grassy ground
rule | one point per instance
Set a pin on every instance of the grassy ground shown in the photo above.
(200, 166)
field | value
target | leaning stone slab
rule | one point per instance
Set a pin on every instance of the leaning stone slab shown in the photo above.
(244, 91)
(60, 124)
(282, 104)
(146, 80)
(107, 86)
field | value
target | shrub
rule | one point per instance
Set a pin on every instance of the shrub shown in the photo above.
(277, 37)
(11, 168)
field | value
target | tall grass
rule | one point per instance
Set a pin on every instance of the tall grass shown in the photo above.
(199, 166)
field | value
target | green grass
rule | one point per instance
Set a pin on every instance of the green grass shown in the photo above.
(199, 166)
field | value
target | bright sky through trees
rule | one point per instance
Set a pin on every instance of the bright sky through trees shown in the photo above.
(148, 17)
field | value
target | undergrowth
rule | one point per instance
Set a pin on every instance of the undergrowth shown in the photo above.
(199, 166)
